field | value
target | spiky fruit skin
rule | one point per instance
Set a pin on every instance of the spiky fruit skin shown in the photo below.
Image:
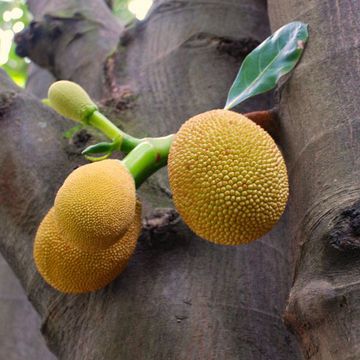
(228, 177)
(70, 100)
(96, 204)
(72, 270)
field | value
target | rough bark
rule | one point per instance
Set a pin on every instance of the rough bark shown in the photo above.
(320, 132)
(181, 297)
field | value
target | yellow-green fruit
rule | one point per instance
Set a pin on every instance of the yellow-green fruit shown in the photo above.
(96, 204)
(228, 178)
(72, 270)
(70, 100)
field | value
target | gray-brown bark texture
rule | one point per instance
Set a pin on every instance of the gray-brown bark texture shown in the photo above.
(19, 323)
(320, 132)
(182, 297)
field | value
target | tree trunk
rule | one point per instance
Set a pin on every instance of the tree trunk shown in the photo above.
(320, 134)
(182, 297)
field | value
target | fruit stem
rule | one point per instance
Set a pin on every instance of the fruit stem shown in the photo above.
(144, 156)
(147, 157)
(102, 123)
(266, 119)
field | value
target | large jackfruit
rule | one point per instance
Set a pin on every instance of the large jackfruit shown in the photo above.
(228, 177)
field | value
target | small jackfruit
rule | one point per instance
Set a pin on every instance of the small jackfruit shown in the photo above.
(96, 204)
(70, 100)
(228, 177)
(72, 270)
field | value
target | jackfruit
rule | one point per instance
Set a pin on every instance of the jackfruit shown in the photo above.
(228, 177)
(71, 100)
(96, 204)
(72, 270)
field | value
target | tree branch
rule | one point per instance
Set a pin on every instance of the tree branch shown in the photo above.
(71, 39)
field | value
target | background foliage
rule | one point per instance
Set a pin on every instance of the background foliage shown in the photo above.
(14, 16)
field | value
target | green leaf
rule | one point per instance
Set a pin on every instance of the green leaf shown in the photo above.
(265, 65)
(105, 148)
(102, 147)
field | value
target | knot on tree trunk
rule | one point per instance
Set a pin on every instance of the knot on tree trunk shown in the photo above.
(310, 304)
(308, 307)
(345, 233)
(237, 48)
(37, 41)
(120, 97)
(163, 229)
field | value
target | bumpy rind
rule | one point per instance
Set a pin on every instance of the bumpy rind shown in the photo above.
(71, 100)
(72, 270)
(228, 177)
(96, 204)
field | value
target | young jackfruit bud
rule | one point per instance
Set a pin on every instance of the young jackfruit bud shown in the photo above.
(96, 204)
(72, 270)
(228, 177)
(71, 100)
